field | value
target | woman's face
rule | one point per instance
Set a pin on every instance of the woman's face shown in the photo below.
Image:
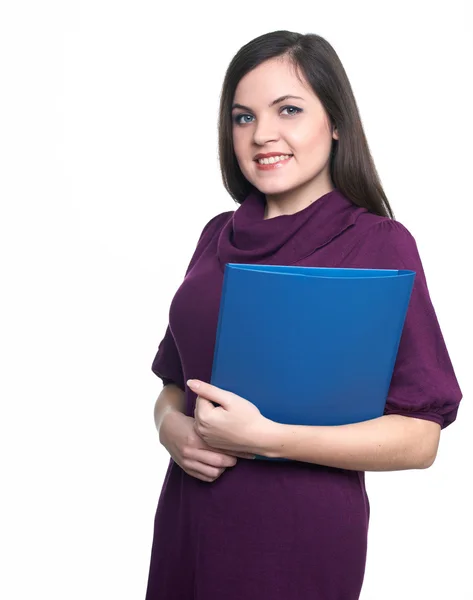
(299, 127)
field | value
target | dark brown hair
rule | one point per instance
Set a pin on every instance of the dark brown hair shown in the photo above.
(352, 167)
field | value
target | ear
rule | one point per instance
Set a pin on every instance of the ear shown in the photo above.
(334, 133)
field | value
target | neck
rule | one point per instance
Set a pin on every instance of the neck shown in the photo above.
(295, 200)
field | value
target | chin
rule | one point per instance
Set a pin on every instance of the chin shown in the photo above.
(273, 187)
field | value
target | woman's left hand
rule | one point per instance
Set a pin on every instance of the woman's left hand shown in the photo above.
(235, 425)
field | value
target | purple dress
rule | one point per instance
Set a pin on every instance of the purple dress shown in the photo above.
(270, 530)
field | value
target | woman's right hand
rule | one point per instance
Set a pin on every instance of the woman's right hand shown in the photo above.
(190, 452)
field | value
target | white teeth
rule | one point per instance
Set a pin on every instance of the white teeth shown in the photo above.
(272, 159)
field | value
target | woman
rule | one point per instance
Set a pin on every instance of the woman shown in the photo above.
(231, 527)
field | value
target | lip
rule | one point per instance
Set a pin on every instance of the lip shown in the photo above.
(269, 154)
(271, 167)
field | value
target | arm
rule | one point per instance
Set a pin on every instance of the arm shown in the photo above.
(423, 396)
(171, 400)
(388, 443)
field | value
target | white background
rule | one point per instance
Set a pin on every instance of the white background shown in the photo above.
(108, 172)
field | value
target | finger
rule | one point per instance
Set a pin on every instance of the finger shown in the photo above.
(202, 407)
(247, 455)
(214, 459)
(211, 392)
(203, 471)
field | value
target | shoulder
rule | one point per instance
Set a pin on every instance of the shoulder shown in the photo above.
(210, 230)
(215, 225)
(377, 227)
(383, 242)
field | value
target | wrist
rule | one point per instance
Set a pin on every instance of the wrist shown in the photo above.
(270, 434)
(167, 421)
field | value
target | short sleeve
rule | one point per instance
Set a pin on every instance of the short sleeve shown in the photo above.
(167, 364)
(423, 384)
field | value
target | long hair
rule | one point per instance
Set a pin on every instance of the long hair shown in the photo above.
(352, 167)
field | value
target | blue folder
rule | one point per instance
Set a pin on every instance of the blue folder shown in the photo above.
(310, 345)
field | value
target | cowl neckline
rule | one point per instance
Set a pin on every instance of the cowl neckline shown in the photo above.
(247, 237)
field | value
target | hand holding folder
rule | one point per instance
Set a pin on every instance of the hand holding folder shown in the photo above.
(310, 345)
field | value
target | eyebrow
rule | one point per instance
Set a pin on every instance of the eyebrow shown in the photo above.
(281, 99)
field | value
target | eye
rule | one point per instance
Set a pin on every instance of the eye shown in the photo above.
(298, 110)
(236, 118)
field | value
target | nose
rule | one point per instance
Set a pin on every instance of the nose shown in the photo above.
(265, 131)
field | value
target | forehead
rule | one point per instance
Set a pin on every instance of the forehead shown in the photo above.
(273, 78)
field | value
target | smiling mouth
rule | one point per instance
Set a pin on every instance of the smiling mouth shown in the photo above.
(273, 159)
(271, 164)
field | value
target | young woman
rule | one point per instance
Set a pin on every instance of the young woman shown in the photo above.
(294, 156)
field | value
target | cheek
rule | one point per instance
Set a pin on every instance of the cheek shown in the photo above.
(311, 142)
(238, 146)
(237, 137)
(308, 136)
